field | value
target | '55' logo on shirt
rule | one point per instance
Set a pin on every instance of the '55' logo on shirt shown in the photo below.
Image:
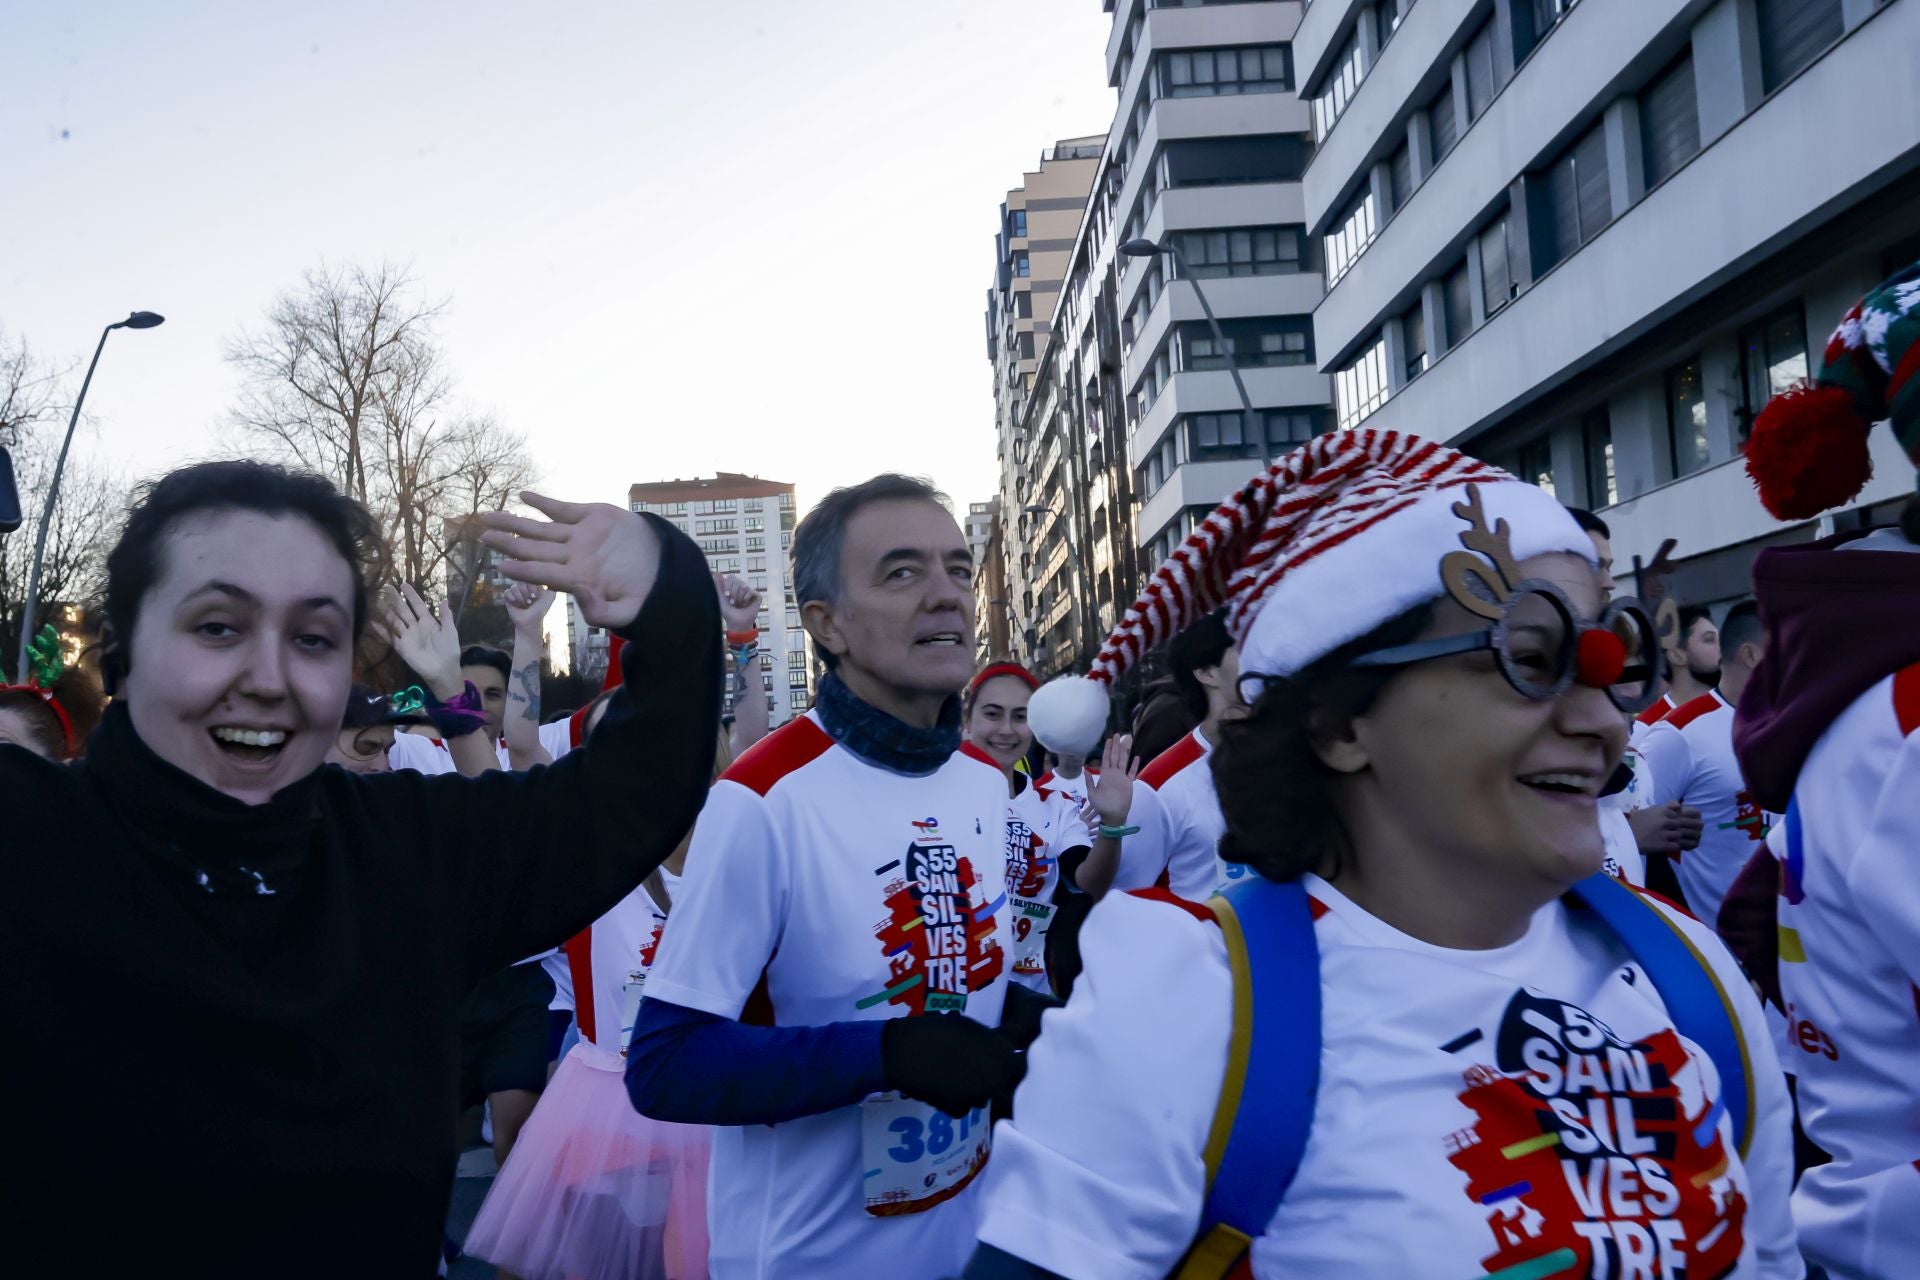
(938, 934)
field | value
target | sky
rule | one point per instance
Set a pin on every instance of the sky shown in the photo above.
(742, 235)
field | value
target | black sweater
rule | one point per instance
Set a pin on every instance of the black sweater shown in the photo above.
(240, 1083)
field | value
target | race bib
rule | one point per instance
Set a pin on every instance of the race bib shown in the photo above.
(916, 1155)
(630, 1007)
(1031, 921)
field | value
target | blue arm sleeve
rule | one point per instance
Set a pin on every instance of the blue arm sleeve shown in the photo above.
(692, 1067)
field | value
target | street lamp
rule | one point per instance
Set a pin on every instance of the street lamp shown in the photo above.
(1144, 248)
(135, 320)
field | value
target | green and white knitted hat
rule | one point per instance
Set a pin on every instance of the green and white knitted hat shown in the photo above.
(1808, 452)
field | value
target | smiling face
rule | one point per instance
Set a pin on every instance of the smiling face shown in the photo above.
(1451, 763)
(902, 626)
(998, 722)
(243, 651)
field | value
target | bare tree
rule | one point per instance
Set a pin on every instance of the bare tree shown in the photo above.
(85, 521)
(346, 377)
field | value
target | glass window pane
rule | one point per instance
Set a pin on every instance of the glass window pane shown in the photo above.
(1179, 69)
(1203, 67)
(1240, 246)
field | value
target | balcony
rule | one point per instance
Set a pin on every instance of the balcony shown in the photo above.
(1323, 29)
(1233, 297)
(1211, 391)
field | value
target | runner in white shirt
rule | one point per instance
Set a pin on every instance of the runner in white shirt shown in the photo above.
(1690, 755)
(1501, 1088)
(1828, 732)
(836, 964)
(1176, 810)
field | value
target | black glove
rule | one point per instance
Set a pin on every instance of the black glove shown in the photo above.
(949, 1060)
(1020, 1017)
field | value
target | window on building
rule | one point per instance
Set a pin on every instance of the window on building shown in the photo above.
(1022, 266)
(1025, 345)
(1023, 305)
(1540, 16)
(786, 541)
(1496, 272)
(796, 660)
(1400, 176)
(766, 659)
(1441, 130)
(676, 508)
(1216, 433)
(795, 679)
(1456, 297)
(786, 502)
(1208, 162)
(796, 640)
(1244, 251)
(1352, 232)
(1773, 356)
(1360, 387)
(1687, 417)
(1536, 463)
(1413, 339)
(1290, 428)
(756, 544)
(1480, 73)
(1669, 121)
(1793, 33)
(1578, 201)
(1348, 67)
(1596, 440)
(1386, 20)
(1017, 224)
(1268, 341)
(1203, 73)
(798, 699)
(756, 564)
(786, 521)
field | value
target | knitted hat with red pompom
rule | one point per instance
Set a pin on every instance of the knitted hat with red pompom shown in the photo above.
(1808, 451)
(1340, 536)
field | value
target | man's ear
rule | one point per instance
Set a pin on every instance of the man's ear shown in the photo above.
(1336, 741)
(1207, 677)
(817, 617)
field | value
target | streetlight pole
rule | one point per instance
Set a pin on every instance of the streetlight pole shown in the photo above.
(1150, 248)
(136, 320)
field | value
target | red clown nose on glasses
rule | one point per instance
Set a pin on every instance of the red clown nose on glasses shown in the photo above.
(1602, 659)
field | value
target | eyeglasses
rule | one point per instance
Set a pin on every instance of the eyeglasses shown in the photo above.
(1543, 647)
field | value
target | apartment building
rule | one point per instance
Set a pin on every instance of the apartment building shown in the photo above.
(1588, 240)
(745, 525)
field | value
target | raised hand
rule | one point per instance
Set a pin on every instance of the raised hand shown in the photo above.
(527, 607)
(1110, 795)
(428, 644)
(739, 602)
(605, 557)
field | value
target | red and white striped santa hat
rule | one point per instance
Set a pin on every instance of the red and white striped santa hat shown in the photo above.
(1338, 537)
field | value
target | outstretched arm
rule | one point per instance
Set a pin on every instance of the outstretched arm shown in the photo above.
(1109, 800)
(527, 607)
(431, 646)
(740, 606)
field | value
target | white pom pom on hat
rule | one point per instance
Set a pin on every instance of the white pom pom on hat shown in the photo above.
(1336, 538)
(1069, 715)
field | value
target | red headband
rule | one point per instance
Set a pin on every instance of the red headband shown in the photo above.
(1013, 669)
(59, 712)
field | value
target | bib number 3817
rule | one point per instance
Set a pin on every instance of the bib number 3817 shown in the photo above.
(915, 1155)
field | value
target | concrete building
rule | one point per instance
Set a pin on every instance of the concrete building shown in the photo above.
(992, 635)
(1132, 429)
(745, 526)
(587, 645)
(1038, 223)
(1587, 241)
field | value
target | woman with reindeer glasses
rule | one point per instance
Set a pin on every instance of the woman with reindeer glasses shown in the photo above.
(1429, 1037)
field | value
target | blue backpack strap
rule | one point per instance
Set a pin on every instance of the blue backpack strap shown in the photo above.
(1259, 1135)
(1687, 983)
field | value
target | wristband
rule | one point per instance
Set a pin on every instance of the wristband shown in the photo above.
(458, 715)
(1116, 833)
(744, 655)
(749, 635)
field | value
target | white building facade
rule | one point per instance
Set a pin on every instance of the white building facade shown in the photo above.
(1587, 241)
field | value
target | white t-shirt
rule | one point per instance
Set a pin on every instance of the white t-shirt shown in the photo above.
(1454, 1126)
(1042, 826)
(1653, 714)
(1850, 974)
(1690, 755)
(1076, 786)
(1180, 823)
(613, 955)
(819, 889)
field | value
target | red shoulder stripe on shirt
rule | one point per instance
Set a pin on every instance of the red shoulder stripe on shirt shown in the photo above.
(1172, 899)
(579, 949)
(972, 752)
(1658, 711)
(1686, 714)
(1906, 699)
(1171, 761)
(790, 747)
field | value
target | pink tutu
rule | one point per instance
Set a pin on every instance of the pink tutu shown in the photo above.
(596, 1191)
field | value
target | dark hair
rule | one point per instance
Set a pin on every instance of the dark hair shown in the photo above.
(818, 541)
(1910, 519)
(1690, 614)
(1590, 522)
(43, 722)
(1200, 646)
(134, 564)
(1742, 625)
(1275, 793)
(481, 655)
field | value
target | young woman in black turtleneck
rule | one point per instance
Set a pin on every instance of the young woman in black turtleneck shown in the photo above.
(232, 976)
